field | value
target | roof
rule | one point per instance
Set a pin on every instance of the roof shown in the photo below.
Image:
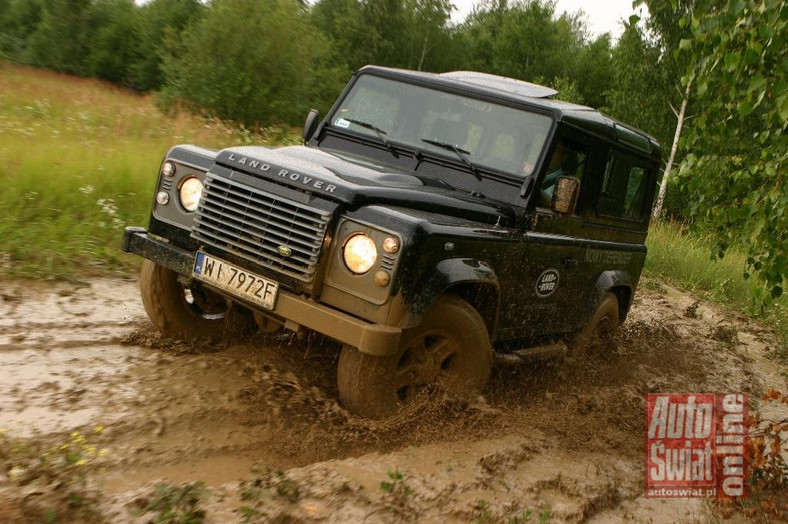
(535, 95)
(502, 83)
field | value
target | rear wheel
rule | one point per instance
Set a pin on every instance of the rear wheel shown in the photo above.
(600, 328)
(449, 349)
(186, 312)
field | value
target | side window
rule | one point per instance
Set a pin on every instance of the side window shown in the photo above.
(568, 159)
(623, 189)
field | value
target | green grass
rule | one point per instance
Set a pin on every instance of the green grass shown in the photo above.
(684, 259)
(78, 163)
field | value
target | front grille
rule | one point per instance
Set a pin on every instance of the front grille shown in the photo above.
(269, 230)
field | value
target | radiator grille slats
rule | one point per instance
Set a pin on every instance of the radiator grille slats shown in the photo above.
(259, 226)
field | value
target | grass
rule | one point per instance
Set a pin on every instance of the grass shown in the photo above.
(684, 259)
(78, 163)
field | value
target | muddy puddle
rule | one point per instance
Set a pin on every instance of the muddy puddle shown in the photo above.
(258, 422)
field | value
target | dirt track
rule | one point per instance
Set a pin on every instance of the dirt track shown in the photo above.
(258, 420)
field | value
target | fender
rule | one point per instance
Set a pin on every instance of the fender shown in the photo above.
(465, 275)
(616, 281)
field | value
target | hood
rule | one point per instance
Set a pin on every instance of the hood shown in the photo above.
(357, 181)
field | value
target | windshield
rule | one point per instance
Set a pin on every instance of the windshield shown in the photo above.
(486, 134)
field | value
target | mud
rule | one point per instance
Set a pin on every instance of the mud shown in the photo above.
(258, 422)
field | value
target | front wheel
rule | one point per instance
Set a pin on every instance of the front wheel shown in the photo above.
(184, 312)
(450, 349)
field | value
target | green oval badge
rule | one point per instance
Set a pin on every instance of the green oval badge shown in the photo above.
(284, 251)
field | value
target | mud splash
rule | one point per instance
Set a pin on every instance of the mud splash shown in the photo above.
(258, 421)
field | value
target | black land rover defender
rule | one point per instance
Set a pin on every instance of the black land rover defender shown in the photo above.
(431, 223)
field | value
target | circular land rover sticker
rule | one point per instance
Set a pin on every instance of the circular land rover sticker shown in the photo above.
(547, 283)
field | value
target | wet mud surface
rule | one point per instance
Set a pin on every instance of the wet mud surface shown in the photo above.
(258, 422)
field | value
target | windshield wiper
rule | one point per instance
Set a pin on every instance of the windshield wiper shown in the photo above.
(461, 154)
(380, 132)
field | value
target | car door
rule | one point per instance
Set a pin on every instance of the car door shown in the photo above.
(550, 281)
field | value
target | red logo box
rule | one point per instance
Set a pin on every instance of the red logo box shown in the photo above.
(696, 445)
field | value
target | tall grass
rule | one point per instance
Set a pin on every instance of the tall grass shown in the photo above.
(78, 163)
(685, 259)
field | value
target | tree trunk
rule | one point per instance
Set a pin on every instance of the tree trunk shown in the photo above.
(423, 52)
(657, 212)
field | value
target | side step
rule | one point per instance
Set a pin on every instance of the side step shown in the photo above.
(520, 356)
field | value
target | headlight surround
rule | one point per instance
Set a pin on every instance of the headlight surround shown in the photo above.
(189, 193)
(359, 253)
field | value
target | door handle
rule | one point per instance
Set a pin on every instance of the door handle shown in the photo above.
(569, 262)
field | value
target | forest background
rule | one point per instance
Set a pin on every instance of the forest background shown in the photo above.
(707, 78)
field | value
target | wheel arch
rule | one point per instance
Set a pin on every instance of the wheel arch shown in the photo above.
(472, 280)
(620, 284)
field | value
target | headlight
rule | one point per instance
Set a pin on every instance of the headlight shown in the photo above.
(189, 193)
(359, 253)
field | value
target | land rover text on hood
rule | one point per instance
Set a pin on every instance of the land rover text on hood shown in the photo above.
(432, 224)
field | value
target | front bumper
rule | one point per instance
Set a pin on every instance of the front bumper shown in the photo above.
(369, 338)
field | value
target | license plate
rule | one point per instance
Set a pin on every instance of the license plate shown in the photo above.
(235, 280)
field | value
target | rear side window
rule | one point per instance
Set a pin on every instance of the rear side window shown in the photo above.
(623, 189)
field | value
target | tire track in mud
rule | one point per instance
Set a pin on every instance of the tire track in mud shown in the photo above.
(562, 438)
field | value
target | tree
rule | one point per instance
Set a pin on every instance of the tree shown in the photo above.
(18, 20)
(252, 61)
(59, 41)
(523, 40)
(395, 33)
(638, 84)
(738, 144)
(160, 26)
(112, 39)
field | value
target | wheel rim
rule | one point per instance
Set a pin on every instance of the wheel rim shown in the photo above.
(204, 304)
(427, 359)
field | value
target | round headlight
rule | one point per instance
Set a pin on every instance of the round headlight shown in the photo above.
(360, 253)
(189, 193)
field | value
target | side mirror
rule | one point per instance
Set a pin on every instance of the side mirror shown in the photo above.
(565, 194)
(310, 125)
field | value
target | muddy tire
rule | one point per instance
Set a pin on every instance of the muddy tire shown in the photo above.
(185, 313)
(599, 329)
(450, 349)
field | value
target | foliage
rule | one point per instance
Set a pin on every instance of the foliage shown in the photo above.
(737, 168)
(101, 146)
(57, 474)
(160, 26)
(233, 63)
(178, 504)
(682, 258)
(769, 468)
(633, 69)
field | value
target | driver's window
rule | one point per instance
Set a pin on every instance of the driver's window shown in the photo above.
(568, 158)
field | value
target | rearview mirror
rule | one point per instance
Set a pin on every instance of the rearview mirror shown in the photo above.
(565, 195)
(311, 124)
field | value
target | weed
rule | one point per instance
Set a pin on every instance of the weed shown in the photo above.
(544, 514)
(684, 260)
(483, 512)
(178, 504)
(396, 486)
(266, 486)
(59, 474)
(525, 516)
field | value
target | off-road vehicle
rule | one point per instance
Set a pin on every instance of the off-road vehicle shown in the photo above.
(433, 224)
